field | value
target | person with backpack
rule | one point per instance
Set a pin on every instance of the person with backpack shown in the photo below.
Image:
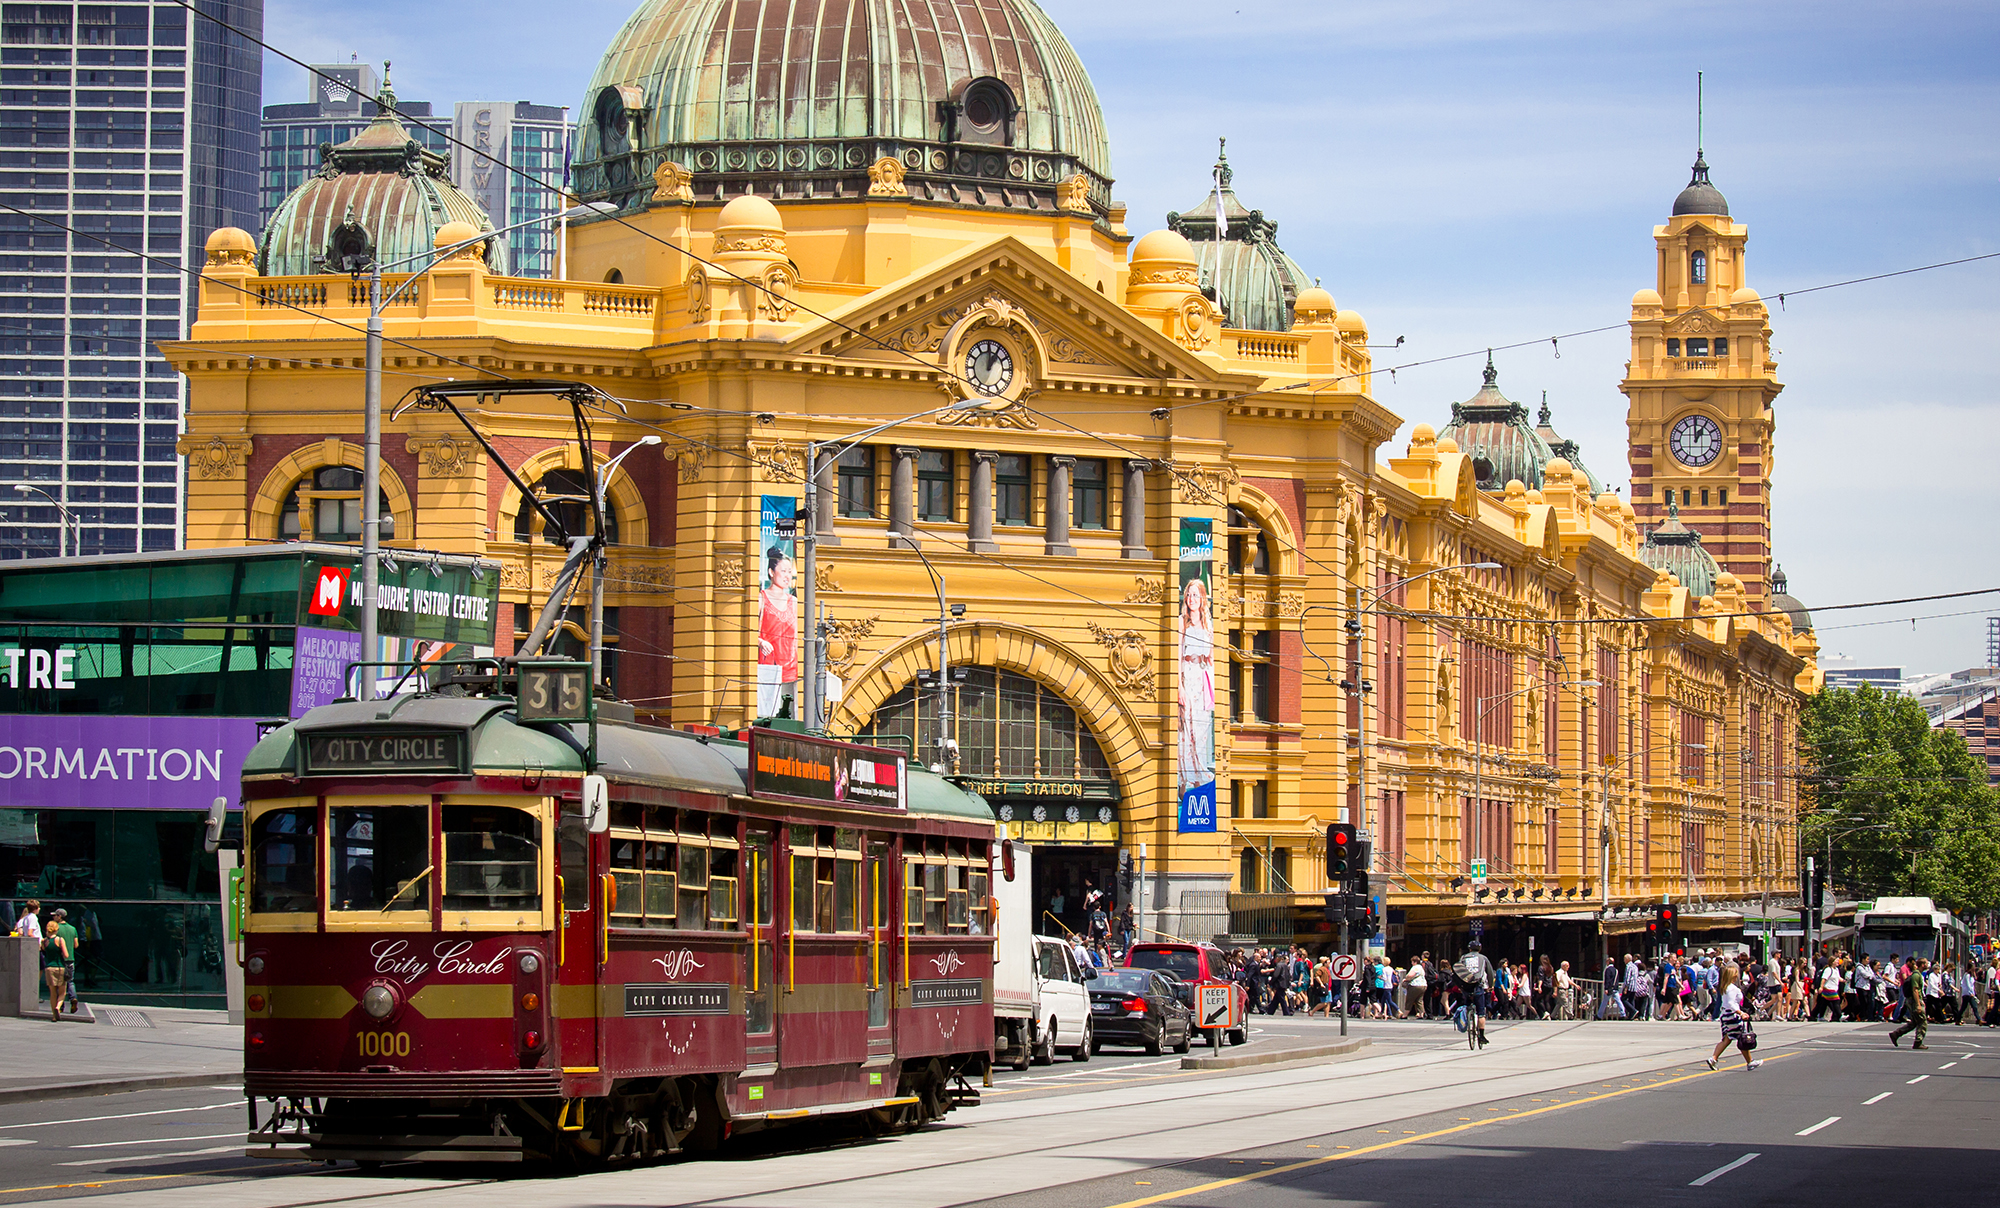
(1475, 973)
(1913, 995)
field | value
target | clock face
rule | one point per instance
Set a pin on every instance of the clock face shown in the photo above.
(1696, 441)
(989, 367)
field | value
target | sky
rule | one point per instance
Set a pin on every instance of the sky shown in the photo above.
(1476, 175)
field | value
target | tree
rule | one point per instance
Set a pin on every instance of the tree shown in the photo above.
(1907, 809)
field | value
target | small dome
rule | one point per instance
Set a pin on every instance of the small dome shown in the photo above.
(750, 210)
(225, 240)
(1675, 547)
(1646, 297)
(1351, 322)
(1243, 271)
(1163, 245)
(1447, 445)
(1802, 621)
(454, 234)
(1556, 468)
(1423, 434)
(1701, 197)
(1727, 582)
(1314, 305)
(1746, 297)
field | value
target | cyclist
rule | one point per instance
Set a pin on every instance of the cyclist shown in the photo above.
(1475, 972)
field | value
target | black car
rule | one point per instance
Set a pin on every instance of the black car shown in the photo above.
(1140, 1006)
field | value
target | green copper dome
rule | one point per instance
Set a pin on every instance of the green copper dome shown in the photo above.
(982, 101)
(1245, 270)
(1675, 547)
(380, 187)
(1493, 431)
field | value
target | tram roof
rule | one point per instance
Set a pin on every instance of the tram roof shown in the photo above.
(500, 744)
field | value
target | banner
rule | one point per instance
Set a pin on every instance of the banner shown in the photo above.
(134, 763)
(410, 601)
(1197, 679)
(777, 608)
(320, 659)
(798, 767)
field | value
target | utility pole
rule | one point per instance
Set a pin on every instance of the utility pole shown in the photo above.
(371, 482)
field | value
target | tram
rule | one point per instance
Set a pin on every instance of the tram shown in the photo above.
(470, 936)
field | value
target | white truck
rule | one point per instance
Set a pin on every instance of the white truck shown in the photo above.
(1040, 1001)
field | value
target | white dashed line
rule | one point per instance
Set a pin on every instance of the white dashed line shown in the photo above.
(1719, 1171)
(1878, 1098)
(1917, 1079)
(1807, 1132)
(1947, 1065)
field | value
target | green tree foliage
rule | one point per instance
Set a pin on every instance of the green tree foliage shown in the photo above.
(1907, 808)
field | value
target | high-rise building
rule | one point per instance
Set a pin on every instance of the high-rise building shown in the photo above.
(511, 138)
(125, 135)
(334, 111)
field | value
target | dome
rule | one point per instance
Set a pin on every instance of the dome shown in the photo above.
(230, 245)
(1245, 271)
(1746, 297)
(1646, 297)
(1782, 602)
(1350, 322)
(983, 101)
(1163, 245)
(1568, 450)
(1700, 197)
(382, 194)
(750, 211)
(1677, 548)
(1493, 431)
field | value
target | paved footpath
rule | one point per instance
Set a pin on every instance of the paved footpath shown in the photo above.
(1126, 1138)
(128, 1048)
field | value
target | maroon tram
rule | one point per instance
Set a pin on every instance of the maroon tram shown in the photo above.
(461, 942)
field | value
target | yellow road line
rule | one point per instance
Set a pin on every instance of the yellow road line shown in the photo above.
(143, 1178)
(1309, 1163)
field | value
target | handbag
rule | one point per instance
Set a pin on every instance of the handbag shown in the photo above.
(1748, 1040)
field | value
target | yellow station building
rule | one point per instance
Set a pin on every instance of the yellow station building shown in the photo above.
(800, 221)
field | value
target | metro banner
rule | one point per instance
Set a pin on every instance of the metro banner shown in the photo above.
(101, 762)
(1196, 696)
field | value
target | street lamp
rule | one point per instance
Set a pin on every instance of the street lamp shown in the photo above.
(1483, 705)
(947, 745)
(597, 564)
(62, 523)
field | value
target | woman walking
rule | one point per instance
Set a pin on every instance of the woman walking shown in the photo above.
(1735, 1028)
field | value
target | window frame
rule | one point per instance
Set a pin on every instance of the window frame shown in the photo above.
(419, 919)
(542, 810)
(1004, 483)
(1083, 493)
(859, 472)
(301, 508)
(928, 483)
(285, 920)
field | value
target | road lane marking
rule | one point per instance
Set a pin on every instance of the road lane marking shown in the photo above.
(16, 1141)
(1917, 1079)
(157, 1140)
(1346, 1153)
(149, 1178)
(1878, 1098)
(167, 1111)
(154, 1157)
(1947, 1065)
(1807, 1132)
(1719, 1171)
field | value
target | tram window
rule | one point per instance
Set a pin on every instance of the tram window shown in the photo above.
(846, 895)
(693, 883)
(982, 902)
(957, 913)
(628, 907)
(722, 882)
(660, 884)
(380, 857)
(802, 893)
(492, 858)
(934, 899)
(573, 838)
(284, 861)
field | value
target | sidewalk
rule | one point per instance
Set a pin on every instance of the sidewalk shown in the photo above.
(118, 1053)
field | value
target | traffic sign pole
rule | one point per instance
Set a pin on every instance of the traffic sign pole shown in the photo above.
(1347, 986)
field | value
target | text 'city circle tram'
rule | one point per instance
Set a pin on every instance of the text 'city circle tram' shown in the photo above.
(500, 921)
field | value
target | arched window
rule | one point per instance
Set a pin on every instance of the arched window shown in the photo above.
(614, 277)
(1249, 545)
(1006, 725)
(1698, 268)
(325, 505)
(986, 112)
(568, 496)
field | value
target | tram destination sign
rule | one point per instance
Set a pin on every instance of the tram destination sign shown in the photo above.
(795, 767)
(384, 754)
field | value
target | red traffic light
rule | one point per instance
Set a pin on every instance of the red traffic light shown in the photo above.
(1666, 916)
(1340, 838)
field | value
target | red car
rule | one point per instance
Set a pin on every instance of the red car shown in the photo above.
(1194, 964)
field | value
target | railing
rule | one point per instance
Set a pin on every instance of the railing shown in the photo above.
(1268, 916)
(300, 292)
(1268, 347)
(627, 309)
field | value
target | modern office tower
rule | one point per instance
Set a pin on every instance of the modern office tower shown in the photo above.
(126, 135)
(526, 138)
(335, 110)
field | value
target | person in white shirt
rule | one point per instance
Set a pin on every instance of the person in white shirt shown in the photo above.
(1565, 992)
(1735, 1026)
(29, 924)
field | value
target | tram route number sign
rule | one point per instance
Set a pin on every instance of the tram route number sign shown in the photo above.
(1345, 967)
(648, 999)
(384, 753)
(1215, 1006)
(553, 691)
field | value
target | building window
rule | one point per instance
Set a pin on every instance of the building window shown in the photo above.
(1088, 495)
(1551, 830)
(934, 484)
(1722, 494)
(1698, 268)
(1697, 346)
(856, 473)
(1263, 675)
(567, 495)
(1281, 870)
(1722, 346)
(1687, 497)
(1673, 348)
(328, 502)
(1249, 548)
(1006, 725)
(1247, 880)
(1013, 480)
(1249, 799)
(1704, 497)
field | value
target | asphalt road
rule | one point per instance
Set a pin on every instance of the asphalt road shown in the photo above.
(1555, 1113)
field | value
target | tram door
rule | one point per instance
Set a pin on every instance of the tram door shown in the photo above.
(579, 948)
(878, 892)
(759, 992)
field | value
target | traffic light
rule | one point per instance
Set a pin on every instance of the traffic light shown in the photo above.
(1336, 908)
(1126, 875)
(1666, 925)
(1816, 890)
(1340, 852)
(1357, 882)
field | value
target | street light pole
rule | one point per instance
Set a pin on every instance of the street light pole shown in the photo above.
(597, 563)
(64, 518)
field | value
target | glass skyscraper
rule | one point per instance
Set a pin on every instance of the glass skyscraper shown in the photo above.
(335, 110)
(132, 129)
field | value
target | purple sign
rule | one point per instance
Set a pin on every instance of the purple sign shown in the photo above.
(91, 762)
(320, 658)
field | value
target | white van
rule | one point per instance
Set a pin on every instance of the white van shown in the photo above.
(1041, 1003)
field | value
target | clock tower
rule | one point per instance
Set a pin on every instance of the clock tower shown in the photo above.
(1699, 388)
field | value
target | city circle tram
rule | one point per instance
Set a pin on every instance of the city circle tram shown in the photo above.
(473, 937)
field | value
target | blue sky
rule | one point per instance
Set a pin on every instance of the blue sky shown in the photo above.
(1467, 175)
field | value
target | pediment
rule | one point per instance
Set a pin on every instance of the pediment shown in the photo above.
(1696, 322)
(1085, 336)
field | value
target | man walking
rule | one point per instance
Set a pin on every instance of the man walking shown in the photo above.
(1913, 994)
(1609, 1002)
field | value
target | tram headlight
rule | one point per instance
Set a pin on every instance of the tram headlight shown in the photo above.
(378, 1001)
(530, 962)
(254, 966)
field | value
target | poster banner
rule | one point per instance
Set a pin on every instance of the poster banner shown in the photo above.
(777, 608)
(1197, 679)
(134, 763)
(798, 767)
(320, 659)
(413, 600)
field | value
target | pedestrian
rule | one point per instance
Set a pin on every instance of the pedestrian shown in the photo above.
(1613, 1001)
(58, 960)
(29, 924)
(1829, 992)
(1416, 985)
(1913, 995)
(1735, 1026)
(1968, 996)
(1565, 992)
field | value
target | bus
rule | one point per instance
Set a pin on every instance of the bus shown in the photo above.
(1907, 927)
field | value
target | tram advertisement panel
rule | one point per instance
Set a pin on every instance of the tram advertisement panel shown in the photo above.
(777, 606)
(1197, 679)
(794, 767)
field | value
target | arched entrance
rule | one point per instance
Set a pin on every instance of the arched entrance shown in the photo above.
(1025, 749)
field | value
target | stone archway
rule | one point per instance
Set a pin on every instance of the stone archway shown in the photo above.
(626, 503)
(269, 501)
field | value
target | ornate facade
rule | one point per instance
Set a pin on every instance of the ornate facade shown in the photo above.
(746, 291)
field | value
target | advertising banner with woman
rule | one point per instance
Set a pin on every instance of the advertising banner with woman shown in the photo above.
(777, 608)
(1197, 679)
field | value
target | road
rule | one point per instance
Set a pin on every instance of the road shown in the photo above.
(1552, 1112)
